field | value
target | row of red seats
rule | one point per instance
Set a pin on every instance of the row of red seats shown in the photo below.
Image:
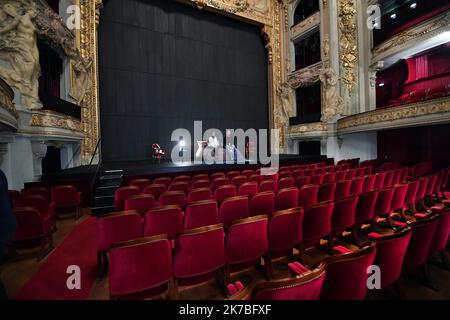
(318, 226)
(421, 95)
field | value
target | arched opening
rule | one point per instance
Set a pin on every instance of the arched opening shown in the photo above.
(305, 9)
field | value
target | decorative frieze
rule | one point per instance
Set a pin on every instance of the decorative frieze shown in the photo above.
(306, 76)
(310, 128)
(6, 98)
(55, 120)
(348, 39)
(306, 25)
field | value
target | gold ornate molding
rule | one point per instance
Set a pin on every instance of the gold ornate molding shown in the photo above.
(396, 113)
(430, 28)
(305, 25)
(6, 98)
(306, 76)
(348, 42)
(55, 120)
(316, 127)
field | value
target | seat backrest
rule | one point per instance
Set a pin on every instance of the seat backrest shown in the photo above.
(200, 214)
(29, 224)
(199, 252)
(139, 266)
(302, 181)
(379, 180)
(430, 185)
(268, 185)
(397, 176)
(285, 183)
(156, 190)
(441, 235)
(199, 195)
(200, 184)
(232, 209)
(365, 208)
(141, 203)
(420, 243)
(246, 240)
(285, 229)
(163, 180)
(248, 189)
(239, 180)
(398, 198)
(344, 212)
(326, 192)
(217, 175)
(140, 183)
(356, 187)
(219, 182)
(177, 198)
(256, 178)
(232, 174)
(359, 172)
(329, 177)
(248, 173)
(368, 184)
(391, 252)
(317, 221)
(423, 182)
(383, 204)
(308, 195)
(342, 189)
(317, 179)
(224, 192)
(166, 220)
(340, 175)
(200, 177)
(38, 191)
(411, 192)
(34, 201)
(389, 178)
(64, 196)
(182, 178)
(122, 194)
(305, 287)
(117, 227)
(346, 275)
(180, 186)
(286, 199)
(350, 174)
(262, 203)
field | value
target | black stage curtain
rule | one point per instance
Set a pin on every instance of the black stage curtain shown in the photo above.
(164, 65)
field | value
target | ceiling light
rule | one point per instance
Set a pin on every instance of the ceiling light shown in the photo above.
(381, 84)
(393, 16)
(413, 5)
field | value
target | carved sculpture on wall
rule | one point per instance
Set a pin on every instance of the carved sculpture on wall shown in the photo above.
(286, 95)
(333, 104)
(18, 48)
(81, 79)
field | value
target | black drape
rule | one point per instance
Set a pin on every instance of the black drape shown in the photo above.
(164, 65)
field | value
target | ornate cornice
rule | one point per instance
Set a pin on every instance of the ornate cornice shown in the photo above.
(55, 120)
(428, 29)
(6, 98)
(348, 42)
(306, 76)
(388, 117)
(305, 25)
(312, 129)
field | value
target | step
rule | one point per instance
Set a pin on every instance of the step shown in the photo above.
(113, 172)
(101, 201)
(100, 211)
(107, 191)
(112, 177)
(110, 181)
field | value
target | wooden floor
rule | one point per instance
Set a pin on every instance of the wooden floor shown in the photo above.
(17, 272)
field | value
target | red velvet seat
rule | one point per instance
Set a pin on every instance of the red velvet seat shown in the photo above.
(248, 173)
(248, 189)
(326, 192)
(317, 221)
(309, 172)
(365, 209)
(340, 175)
(182, 178)
(198, 255)
(199, 195)
(66, 197)
(388, 180)
(140, 268)
(224, 192)
(383, 204)
(38, 202)
(410, 197)
(368, 184)
(262, 203)
(219, 182)
(140, 183)
(33, 230)
(122, 194)
(176, 198)
(359, 172)
(270, 177)
(391, 251)
(286, 199)
(379, 180)
(308, 196)
(156, 190)
(317, 179)
(217, 175)
(305, 287)
(114, 228)
(441, 236)
(13, 194)
(238, 181)
(284, 175)
(286, 183)
(343, 216)
(421, 191)
(200, 177)
(200, 214)
(245, 243)
(397, 176)
(200, 184)
(166, 220)
(163, 180)
(342, 189)
(350, 174)
(37, 191)
(368, 171)
(256, 178)
(302, 181)
(398, 198)
(346, 275)
(423, 231)
(356, 186)
(298, 173)
(233, 174)
(180, 186)
(140, 203)
(268, 185)
(329, 177)
(232, 209)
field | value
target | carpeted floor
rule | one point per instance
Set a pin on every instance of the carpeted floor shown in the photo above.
(50, 281)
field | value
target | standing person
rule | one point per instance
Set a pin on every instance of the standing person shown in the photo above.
(7, 226)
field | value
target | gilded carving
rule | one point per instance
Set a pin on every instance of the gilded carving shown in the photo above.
(53, 120)
(6, 98)
(396, 113)
(308, 128)
(348, 42)
(333, 104)
(305, 25)
(306, 76)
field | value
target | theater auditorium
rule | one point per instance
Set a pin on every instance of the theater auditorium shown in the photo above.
(224, 150)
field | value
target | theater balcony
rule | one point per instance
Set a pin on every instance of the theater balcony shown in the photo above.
(8, 112)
